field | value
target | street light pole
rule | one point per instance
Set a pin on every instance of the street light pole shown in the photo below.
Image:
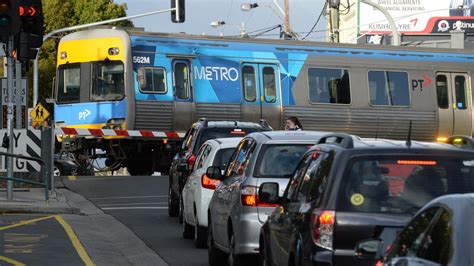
(78, 27)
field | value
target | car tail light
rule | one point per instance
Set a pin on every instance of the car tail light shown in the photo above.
(249, 197)
(238, 132)
(191, 161)
(323, 228)
(416, 162)
(208, 183)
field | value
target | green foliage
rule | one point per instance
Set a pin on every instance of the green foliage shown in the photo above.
(65, 13)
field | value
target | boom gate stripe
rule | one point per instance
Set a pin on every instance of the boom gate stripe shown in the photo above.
(118, 133)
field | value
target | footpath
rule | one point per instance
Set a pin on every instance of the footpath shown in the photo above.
(67, 230)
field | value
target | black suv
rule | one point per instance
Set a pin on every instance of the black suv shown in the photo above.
(346, 189)
(200, 132)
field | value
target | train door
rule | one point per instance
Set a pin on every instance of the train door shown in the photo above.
(183, 94)
(454, 107)
(261, 93)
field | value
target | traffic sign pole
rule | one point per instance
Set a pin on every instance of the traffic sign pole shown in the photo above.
(10, 66)
(18, 94)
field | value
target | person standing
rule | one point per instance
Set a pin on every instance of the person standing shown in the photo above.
(292, 123)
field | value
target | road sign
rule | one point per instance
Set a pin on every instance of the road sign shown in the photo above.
(25, 142)
(38, 115)
(22, 92)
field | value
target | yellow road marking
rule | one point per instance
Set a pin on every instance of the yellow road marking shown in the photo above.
(75, 241)
(12, 261)
(21, 223)
(71, 178)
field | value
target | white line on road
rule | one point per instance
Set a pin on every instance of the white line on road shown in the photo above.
(131, 197)
(134, 208)
(134, 203)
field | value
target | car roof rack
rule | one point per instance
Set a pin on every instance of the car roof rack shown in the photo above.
(341, 139)
(265, 124)
(464, 142)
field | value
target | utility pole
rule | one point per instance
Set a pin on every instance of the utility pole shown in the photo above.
(286, 23)
(334, 20)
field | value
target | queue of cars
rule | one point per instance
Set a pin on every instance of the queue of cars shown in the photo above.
(317, 198)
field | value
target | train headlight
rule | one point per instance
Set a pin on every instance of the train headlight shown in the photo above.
(63, 55)
(114, 51)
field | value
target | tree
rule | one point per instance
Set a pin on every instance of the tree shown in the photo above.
(65, 13)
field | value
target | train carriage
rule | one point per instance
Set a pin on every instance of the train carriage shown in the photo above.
(129, 79)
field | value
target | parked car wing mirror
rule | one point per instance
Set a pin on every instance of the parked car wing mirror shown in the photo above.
(268, 193)
(183, 167)
(369, 249)
(214, 172)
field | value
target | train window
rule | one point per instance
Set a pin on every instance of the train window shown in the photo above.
(248, 83)
(461, 92)
(181, 81)
(107, 81)
(269, 84)
(329, 86)
(155, 80)
(389, 88)
(442, 91)
(69, 84)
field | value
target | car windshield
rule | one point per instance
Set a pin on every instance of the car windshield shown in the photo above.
(217, 133)
(279, 160)
(402, 184)
(107, 81)
(222, 157)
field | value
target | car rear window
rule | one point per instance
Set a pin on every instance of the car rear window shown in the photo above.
(279, 160)
(402, 184)
(222, 157)
(217, 133)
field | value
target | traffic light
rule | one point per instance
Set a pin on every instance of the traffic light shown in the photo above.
(177, 16)
(9, 18)
(31, 36)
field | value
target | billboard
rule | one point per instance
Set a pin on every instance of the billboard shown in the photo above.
(418, 16)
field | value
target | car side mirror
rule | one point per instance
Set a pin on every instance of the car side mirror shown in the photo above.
(183, 167)
(370, 249)
(214, 172)
(268, 193)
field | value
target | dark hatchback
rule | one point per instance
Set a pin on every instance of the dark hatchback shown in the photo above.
(347, 189)
(440, 234)
(200, 132)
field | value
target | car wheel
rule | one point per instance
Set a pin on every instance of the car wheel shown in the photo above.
(216, 256)
(181, 209)
(188, 230)
(233, 259)
(200, 235)
(57, 170)
(172, 204)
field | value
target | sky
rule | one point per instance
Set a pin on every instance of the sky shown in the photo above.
(200, 13)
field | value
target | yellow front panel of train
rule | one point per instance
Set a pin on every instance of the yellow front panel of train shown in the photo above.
(89, 50)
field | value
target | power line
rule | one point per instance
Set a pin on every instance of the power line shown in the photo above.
(317, 21)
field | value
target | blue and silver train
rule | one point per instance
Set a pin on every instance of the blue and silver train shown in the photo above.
(134, 80)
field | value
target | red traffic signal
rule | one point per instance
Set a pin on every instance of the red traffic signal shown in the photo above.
(29, 11)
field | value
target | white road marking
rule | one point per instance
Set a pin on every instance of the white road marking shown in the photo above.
(134, 208)
(131, 197)
(134, 203)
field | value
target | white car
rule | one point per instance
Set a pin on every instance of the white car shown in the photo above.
(198, 190)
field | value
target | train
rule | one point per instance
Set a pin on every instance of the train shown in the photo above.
(127, 79)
